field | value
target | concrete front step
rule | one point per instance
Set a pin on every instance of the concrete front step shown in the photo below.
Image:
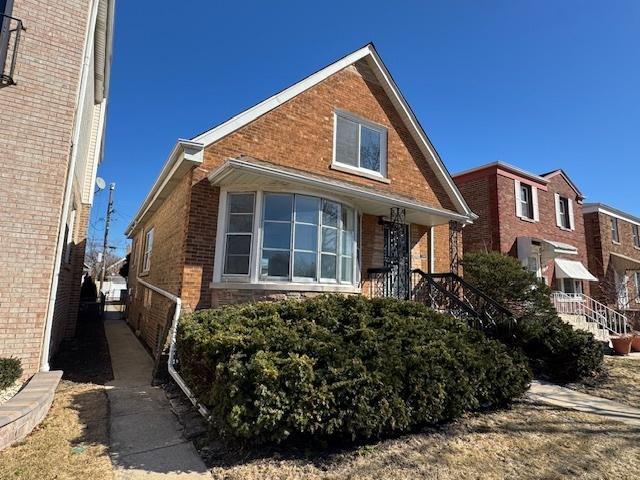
(580, 322)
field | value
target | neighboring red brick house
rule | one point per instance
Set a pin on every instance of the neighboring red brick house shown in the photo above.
(293, 197)
(535, 218)
(613, 245)
(53, 98)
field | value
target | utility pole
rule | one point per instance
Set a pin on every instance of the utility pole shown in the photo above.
(105, 245)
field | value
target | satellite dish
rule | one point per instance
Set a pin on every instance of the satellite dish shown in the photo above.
(100, 183)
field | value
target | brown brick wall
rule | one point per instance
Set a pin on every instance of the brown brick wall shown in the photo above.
(37, 121)
(480, 193)
(600, 246)
(491, 196)
(298, 134)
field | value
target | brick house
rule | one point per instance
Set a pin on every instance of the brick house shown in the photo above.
(535, 218)
(298, 195)
(613, 246)
(53, 98)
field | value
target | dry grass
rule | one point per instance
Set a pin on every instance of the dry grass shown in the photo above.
(71, 442)
(530, 441)
(619, 381)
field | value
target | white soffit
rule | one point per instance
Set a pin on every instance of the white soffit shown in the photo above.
(573, 269)
(369, 53)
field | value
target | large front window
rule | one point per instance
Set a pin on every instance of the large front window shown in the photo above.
(306, 239)
(296, 238)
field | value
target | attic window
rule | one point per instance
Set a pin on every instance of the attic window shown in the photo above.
(359, 145)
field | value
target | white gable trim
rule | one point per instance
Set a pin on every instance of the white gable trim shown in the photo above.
(390, 86)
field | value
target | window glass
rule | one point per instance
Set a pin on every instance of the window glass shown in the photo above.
(346, 142)
(316, 244)
(370, 149)
(564, 212)
(148, 247)
(359, 144)
(614, 230)
(636, 236)
(239, 233)
(526, 201)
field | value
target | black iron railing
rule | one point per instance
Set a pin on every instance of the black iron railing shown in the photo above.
(450, 293)
(10, 30)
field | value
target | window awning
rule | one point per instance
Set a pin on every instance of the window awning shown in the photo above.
(622, 263)
(250, 172)
(559, 247)
(573, 269)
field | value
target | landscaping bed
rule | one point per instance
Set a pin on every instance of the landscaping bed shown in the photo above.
(619, 380)
(528, 441)
(72, 441)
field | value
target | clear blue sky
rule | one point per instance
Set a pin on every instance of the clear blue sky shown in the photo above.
(540, 84)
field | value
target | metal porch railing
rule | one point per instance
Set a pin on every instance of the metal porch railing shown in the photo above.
(10, 30)
(593, 311)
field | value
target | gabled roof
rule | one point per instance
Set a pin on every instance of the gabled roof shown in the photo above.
(559, 171)
(368, 54)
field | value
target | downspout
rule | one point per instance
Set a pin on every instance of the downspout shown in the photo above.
(53, 289)
(172, 347)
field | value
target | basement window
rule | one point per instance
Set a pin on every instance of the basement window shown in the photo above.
(359, 146)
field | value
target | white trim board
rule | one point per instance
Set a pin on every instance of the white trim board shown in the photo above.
(610, 211)
(375, 62)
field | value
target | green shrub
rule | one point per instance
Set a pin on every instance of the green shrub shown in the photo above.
(10, 371)
(340, 367)
(554, 349)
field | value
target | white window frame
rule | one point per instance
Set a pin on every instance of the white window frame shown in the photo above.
(636, 276)
(635, 229)
(519, 201)
(560, 215)
(615, 238)
(254, 280)
(252, 234)
(358, 170)
(148, 250)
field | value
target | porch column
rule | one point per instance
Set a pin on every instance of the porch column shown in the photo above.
(455, 230)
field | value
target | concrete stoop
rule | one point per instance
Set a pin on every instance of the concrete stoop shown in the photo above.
(579, 322)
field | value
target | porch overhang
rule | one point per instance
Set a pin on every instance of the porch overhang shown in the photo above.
(249, 172)
(573, 269)
(623, 263)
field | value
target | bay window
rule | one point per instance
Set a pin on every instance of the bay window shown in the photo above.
(297, 239)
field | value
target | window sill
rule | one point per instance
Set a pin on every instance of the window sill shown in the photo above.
(527, 219)
(287, 286)
(616, 243)
(144, 274)
(565, 229)
(360, 172)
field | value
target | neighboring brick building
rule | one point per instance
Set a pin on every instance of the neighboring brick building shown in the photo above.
(613, 245)
(535, 218)
(53, 96)
(294, 197)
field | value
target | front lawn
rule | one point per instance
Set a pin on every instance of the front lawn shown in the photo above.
(619, 381)
(528, 441)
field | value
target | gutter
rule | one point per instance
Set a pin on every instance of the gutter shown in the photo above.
(172, 347)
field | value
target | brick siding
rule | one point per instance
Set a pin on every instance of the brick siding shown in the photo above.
(35, 142)
(299, 134)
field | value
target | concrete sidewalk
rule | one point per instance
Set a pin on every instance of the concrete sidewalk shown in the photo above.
(146, 437)
(572, 399)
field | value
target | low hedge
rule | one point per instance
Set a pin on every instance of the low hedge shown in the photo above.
(555, 350)
(10, 371)
(339, 367)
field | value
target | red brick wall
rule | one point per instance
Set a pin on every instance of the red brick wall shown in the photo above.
(298, 134)
(600, 245)
(37, 121)
(480, 192)
(491, 195)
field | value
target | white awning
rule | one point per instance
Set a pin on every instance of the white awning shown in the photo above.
(573, 269)
(559, 247)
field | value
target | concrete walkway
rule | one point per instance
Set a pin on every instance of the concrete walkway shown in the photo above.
(146, 437)
(572, 399)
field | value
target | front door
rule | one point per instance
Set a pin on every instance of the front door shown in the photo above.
(396, 258)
